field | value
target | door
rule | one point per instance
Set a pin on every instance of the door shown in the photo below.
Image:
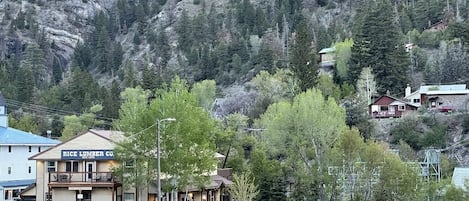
(392, 109)
(89, 169)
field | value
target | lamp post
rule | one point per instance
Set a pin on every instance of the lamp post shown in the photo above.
(158, 122)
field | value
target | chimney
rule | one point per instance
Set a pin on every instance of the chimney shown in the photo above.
(3, 112)
(408, 91)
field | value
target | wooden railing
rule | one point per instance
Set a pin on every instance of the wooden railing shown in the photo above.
(92, 177)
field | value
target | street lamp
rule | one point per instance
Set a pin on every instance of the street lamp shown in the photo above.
(158, 122)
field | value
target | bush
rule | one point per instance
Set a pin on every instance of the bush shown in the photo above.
(196, 2)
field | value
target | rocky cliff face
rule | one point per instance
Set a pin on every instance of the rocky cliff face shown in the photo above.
(63, 22)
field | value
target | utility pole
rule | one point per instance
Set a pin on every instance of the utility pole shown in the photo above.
(158, 154)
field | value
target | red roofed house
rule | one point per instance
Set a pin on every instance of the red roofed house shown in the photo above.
(387, 106)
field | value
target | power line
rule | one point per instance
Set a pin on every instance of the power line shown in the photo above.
(40, 108)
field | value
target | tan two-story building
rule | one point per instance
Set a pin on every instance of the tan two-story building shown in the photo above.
(78, 169)
(81, 169)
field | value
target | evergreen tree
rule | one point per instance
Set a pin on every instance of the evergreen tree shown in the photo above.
(111, 103)
(149, 79)
(130, 80)
(24, 83)
(379, 47)
(83, 89)
(34, 59)
(184, 30)
(303, 61)
(56, 71)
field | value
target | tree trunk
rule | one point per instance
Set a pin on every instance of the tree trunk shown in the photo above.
(318, 152)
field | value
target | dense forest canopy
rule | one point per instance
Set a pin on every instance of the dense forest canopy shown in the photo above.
(251, 64)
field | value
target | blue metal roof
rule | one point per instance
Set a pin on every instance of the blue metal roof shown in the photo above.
(16, 183)
(14, 136)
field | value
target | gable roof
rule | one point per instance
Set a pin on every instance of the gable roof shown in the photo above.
(95, 140)
(327, 50)
(460, 175)
(11, 136)
(394, 100)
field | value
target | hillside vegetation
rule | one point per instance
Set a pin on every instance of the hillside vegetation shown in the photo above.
(253, 66)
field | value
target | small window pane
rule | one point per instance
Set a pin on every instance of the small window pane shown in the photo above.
(128, 197)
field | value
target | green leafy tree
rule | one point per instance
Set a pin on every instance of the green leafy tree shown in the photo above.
(243, 187)
(328, 88)
(306, 129)
(24, 122)
(268, 176)
(205, 93)
(186, 143)
(343, 52)
(303, 61)
(272, 88)
(74, 124)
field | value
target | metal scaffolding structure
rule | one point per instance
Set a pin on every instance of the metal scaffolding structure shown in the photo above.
(431, 166)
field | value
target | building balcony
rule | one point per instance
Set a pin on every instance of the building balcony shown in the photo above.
(77, 179)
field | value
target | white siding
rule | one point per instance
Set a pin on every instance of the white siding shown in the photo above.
(18, 161)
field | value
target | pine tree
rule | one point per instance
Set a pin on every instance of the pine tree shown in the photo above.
(303, 61)
(130, 79)
(184, 30)
(149, 79)
(390, 62)
(379, 46)
(111, 102)
(24, 83)
(34, 59)
(56, 71)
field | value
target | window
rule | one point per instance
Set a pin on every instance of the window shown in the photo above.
(384, 108)
(9, 170)
(129, 165)
(39, 149)
(417, 100)
(7, 194)
(9, 148)
(128, 197)
(71, 166)
(29, 148)
(51, 166)
(29, 169)
(16, 193)
(401, 107)
(83, 196)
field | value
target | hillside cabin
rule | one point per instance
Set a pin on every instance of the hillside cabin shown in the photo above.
(389, 107)
(441, 98)
(327, 61)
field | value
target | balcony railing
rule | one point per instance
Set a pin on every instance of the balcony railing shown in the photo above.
(91, 177)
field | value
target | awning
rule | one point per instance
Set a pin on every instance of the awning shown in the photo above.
(17, 183)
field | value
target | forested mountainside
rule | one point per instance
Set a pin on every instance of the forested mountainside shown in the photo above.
(70, 55)
(69, 65)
